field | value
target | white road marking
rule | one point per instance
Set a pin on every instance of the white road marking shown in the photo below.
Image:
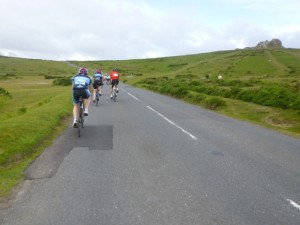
(294, 204)
(171, 122)
(133, 96)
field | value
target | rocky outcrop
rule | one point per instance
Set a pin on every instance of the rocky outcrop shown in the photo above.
(274, 43)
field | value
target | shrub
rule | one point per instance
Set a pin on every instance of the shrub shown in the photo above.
(214, 102)
(22, 110)
(4, 92)
(199, 98)
(296, 103)
(233, 92)
(51, 77)
(178, 92)
(62, 81)
(274, 96)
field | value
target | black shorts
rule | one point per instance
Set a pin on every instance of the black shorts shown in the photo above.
(97, 84)
(80, 92)
(114, 82)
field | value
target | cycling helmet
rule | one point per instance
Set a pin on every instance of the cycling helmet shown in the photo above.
(115, 69)
(83, 71)
(98, 71)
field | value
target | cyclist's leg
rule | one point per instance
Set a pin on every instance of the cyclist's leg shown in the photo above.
(94, 92)
(97, 90)
(75, 111)
(75, 108)
(117, 83)
(100, 88)
(111, 89)
(87, 102)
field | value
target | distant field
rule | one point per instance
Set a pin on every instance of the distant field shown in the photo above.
(260, 86)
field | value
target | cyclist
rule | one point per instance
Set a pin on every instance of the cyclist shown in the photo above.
(107, 78)
(97, 83)
(114, 77)
(82, 86)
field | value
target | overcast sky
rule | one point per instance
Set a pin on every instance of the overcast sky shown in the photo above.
(135, 29)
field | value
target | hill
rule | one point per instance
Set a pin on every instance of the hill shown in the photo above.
(241, 70)
(258, 85)
(268, 79)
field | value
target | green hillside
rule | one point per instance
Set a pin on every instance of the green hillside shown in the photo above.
(258, 85)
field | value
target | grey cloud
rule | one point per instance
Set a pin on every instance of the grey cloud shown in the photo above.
(115, 29)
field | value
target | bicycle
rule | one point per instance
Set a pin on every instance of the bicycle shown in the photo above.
(80, 120)
(97, 97)
(114, 93)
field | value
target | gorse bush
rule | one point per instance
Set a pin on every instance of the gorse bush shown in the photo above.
(52, 77)
(62, 81)
(275, 95)
(4, 92)
(214, 103)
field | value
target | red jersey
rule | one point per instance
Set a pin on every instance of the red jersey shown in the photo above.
(114, 75)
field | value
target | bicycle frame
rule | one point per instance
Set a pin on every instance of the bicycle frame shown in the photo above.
(114, 93)
(80, 119)
(97, 98)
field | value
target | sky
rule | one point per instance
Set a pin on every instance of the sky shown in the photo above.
(139, 29)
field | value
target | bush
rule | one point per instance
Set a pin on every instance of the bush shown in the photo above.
(4, 92)
(233, 92)
(214, 102)
(296, 103)
(275, 96)
(51, 77)
(63, 81)
(199, 98)
(22, 110)
(178, 92)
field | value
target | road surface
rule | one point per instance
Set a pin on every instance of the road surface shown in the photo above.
(150, 159)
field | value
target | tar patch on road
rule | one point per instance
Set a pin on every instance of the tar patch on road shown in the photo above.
(93, 137)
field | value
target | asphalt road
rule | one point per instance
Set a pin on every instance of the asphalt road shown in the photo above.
(150, 159)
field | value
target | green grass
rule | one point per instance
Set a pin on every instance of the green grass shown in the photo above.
(31, 117)
(268, 77)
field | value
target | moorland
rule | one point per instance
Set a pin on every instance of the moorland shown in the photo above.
(261, 86)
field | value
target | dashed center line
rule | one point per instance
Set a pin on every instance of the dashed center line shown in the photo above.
(294, 204)
(171, 122)
(174, 124)
(133, 96)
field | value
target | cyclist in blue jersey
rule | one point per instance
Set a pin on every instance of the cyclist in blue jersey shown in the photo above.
(97, 83)
(82, 86)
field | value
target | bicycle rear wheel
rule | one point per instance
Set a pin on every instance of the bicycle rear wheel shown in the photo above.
(114, 94)
(79, 122)
(80, 117)
(97, 99)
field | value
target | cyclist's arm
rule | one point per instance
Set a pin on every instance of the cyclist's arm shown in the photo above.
(91, 88)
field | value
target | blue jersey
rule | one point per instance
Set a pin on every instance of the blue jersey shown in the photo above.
(98, 77)
(81, 81)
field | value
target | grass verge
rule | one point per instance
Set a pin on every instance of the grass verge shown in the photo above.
(24, 136)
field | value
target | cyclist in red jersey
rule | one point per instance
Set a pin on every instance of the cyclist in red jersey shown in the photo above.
(114, 77)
